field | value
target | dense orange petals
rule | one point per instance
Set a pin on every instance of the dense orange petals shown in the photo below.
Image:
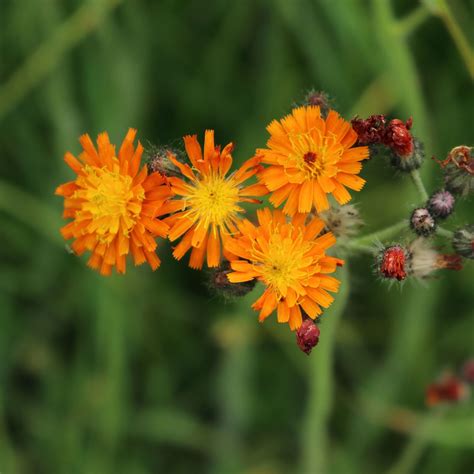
(289, 258)
(209, 200)
(114, 204)
(310, 157)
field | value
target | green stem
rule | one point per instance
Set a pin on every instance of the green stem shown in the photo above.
(380, 234)
(406, 26)
(358, 248)
(415, 447)
(48, 54)
(442, 10)
(416, 177)
(315, 456)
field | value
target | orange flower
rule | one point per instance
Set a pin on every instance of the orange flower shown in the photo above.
(289, 258)
(310, 157)
(209, 204)
(114, 204)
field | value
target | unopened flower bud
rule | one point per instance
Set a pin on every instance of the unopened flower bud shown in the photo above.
(409, 161)
(371, 130)
(441, 204)
(342, 221)
(463, 241)
(392, 262)
(158, 161)
(422, 222)
(449, 389)
(307, 336)
(459, 170)
(219, 283)
(320, 99)
(399, 138)
(468, 371)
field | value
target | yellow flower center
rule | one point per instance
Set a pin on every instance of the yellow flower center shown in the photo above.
(314, 154)
(284, 262)
(111, 200)
(213, 200)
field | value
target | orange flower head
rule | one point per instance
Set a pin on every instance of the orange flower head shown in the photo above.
(310, 157)
(208, 202)
(114, 204)
(289, 258)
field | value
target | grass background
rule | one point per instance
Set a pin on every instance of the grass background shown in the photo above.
(151, 372)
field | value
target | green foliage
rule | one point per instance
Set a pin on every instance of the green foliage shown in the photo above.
(152, 373)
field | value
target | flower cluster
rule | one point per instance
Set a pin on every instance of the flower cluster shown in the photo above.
(197, 200)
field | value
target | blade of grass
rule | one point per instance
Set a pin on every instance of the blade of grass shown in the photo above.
(315, 443)
(81, 23)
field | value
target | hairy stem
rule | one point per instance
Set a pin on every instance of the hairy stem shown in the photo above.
(379, 235)
(416, 177)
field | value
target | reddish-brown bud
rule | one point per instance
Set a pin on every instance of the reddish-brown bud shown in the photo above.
(448, 389)
(422, 222)
(307, 336)
(398, 137)
(392, 262)
(370, 130)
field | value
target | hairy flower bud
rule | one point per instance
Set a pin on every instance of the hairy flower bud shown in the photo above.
(459, 170)
(422, 222)
(219, 283)
(158, 161)
(307, 336)
(410, 161)
(406, 153)
(342, 221)
(441, 204)
(320, 99)
(392, 262)
(463, 241)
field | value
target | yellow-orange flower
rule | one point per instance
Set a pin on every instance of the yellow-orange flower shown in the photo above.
(289, 258)
(310, 157)
(114, 204)
(209, 203)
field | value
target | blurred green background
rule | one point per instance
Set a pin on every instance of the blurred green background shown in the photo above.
(152, 372)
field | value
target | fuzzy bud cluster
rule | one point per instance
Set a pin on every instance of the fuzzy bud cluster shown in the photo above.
(422, 222)
(320, 99)
(406, 153)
